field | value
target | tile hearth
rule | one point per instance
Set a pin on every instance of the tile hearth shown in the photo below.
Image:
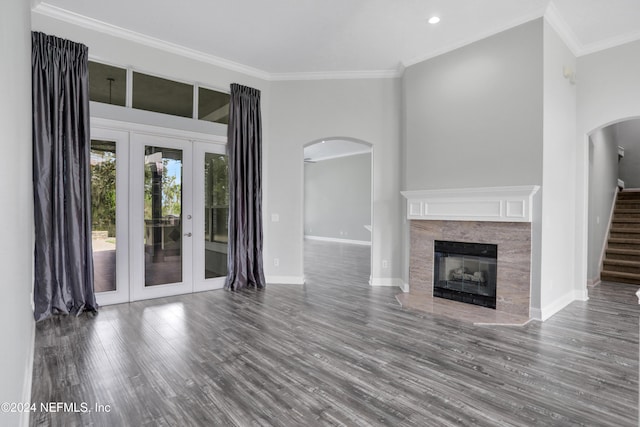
(460, 311)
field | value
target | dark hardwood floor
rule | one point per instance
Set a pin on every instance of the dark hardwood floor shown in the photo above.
(337, 352)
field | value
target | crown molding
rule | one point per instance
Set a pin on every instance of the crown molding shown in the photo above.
(113, 30)
(337, 75)
(609, 43)
(55, 12)
(557, 22)
(551, 14)
(521, 20)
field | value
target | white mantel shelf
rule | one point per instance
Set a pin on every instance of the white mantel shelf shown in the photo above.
(499, 204)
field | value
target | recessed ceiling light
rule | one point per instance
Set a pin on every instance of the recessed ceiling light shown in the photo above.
(434, 20)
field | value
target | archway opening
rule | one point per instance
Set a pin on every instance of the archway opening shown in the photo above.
(613, 241)
(337, 210)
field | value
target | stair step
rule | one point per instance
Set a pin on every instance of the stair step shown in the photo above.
(626, 213)
(624, 244)
(622, 263)
(625, 221)
(634, 205)
(620, 233)
(622, 254)
(627, 194)
(629, 230)
(614, 276)
(617, 216)
(621, 266)
(625, 240)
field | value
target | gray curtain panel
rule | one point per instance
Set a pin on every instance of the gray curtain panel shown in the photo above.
(61, 178)
(245, 190)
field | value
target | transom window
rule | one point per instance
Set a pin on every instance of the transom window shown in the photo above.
(108, 85)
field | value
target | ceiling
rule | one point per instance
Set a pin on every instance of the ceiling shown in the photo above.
(281, 39)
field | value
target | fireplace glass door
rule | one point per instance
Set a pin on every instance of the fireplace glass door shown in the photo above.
(465, 272)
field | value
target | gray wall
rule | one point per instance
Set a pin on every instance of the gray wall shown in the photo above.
(473, 116)
(628, 136)
(16, 215)
(603, 180)
(337, 198)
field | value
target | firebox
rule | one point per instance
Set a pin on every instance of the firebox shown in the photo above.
(465, 272)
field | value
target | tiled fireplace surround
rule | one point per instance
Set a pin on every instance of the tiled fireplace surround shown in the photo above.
(496, 215)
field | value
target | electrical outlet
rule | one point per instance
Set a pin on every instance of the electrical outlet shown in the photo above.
(276, 262)
(385, 263)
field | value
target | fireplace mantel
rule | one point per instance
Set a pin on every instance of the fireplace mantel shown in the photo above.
(496, 204)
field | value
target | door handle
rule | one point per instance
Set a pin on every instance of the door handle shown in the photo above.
(188, 234)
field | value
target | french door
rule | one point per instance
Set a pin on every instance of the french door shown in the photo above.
(171, 203)
(161, 216)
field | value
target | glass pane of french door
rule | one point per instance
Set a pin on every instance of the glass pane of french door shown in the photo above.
(162, 215)
(103, 212)
(109, 162)
(211, 214)
(216, 214)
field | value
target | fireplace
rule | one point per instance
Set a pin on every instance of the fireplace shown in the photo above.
(465, 272)
(502, 216)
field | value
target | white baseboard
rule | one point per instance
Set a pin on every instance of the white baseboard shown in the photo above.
(335, 240)
(549, 310)
(535, 314)
(387, 281)
(285, 280)
(582, 295)
(28, 375)
(405, 287)
(593, 282)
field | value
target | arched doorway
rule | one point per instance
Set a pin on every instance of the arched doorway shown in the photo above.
(613, 166)
(337, 207)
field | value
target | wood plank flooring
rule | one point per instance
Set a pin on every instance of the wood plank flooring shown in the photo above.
(337, 352)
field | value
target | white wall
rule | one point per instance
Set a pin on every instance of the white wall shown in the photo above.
(608, 92)
(304, 111)
(628, 136)
(337, 198)
(557, 278)
(473, 116)
(603, 181)
(16, 216)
